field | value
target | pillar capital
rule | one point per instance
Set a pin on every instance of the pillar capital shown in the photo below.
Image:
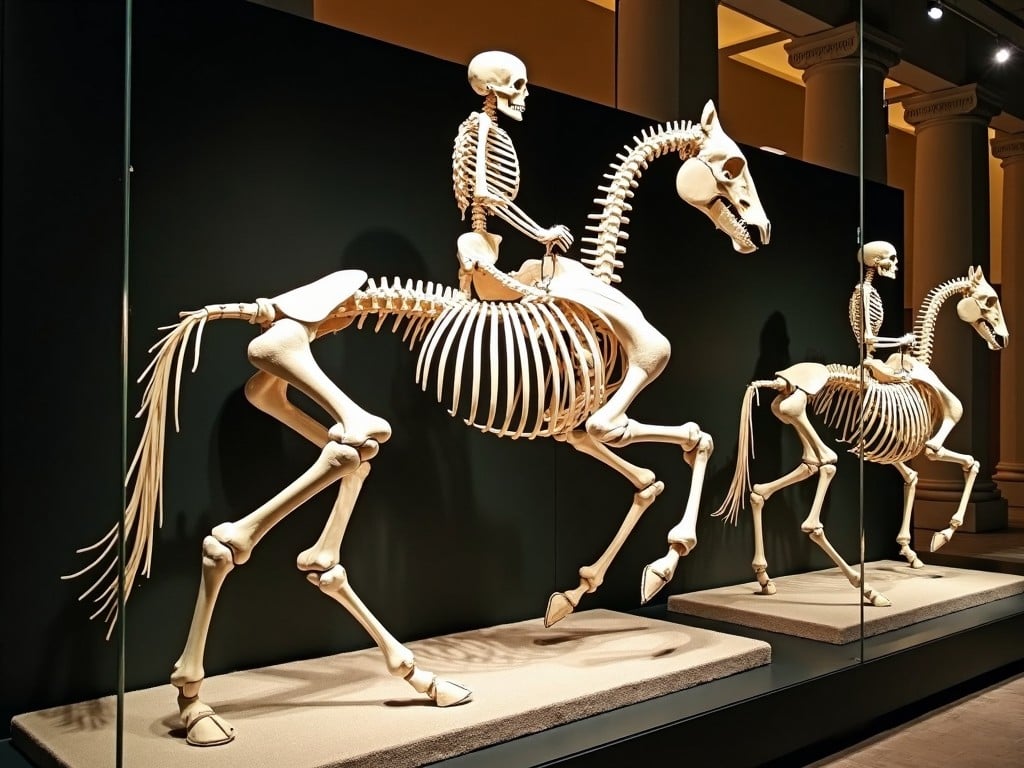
(964, 101)
(1008, 147)
(843, 44)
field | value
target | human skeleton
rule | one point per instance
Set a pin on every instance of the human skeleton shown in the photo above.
(888, 421)
(867, 313)
(485, 176)
(561, 355)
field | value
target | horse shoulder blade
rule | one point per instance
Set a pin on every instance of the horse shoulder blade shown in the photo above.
(810, 377)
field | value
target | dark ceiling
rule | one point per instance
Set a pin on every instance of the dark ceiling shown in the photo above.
(958, 48)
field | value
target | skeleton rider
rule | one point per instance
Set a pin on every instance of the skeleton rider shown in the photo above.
(867, 314)
(485, 174)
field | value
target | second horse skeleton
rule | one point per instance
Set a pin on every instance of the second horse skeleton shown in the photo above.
(888, 420)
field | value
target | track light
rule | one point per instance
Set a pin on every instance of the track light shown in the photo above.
(1002, 54)
(935, 11)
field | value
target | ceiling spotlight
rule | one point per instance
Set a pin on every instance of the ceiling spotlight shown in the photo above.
(1002, 54)
(935, 11)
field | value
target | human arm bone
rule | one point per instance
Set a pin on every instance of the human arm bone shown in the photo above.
(887, 342)
(503, 207)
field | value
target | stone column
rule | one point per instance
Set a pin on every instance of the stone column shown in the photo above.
(831, 64)
(666, 59)
(951, 233)
(1009, 475)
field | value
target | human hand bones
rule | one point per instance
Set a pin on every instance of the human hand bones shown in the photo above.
(558, 235)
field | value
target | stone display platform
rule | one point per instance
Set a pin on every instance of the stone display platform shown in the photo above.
(345, 710)
(823, 605)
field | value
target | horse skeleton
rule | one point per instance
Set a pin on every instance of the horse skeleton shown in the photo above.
(563, 359)
(886, 421)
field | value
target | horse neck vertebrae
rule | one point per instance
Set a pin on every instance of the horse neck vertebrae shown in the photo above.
(605, 250)
(928, 314)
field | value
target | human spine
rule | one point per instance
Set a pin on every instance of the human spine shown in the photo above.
(867, 297)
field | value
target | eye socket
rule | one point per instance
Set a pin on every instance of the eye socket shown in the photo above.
(989, 302)
(518, 84)
(733, 167)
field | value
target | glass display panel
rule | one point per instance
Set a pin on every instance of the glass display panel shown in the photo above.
(773, 218)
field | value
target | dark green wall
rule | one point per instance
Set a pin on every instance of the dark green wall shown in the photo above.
(269, 151)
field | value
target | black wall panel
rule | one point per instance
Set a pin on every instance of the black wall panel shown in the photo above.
(268, 151)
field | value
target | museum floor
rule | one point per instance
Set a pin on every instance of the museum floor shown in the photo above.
(1004, 547)
(998, 545)
(981, 730)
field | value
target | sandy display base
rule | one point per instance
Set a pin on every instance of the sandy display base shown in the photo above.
(345, 710)
(822, 605)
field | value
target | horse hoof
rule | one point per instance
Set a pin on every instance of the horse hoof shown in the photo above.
(449, 694)
(939, 540)
(203, 726)
(877, 599)
(652, 582)
(559, 606)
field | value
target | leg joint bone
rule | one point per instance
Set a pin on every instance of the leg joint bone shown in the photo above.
(608, 431)
(333, 580)
(218, 555)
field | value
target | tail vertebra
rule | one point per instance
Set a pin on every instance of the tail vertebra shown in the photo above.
(740, 486)
(143, 512)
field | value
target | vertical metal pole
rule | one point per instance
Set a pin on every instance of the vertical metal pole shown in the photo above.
(864, 312)
(126, 170)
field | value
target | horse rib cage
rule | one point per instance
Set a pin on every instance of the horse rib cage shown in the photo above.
(897, 416)
(519, 369)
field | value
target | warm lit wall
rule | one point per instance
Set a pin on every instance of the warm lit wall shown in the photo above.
(995, 198)
(568, 45)
(573, 51)
(900, 170)
(759, 109)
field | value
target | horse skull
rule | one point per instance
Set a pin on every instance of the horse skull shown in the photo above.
(981, 308)
(718, 183)
(505, 76)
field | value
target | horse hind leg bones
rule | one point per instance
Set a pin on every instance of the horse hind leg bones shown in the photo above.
(283, 355)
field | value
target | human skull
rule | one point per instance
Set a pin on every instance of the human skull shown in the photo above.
(718, 182)
(882, 256)
(505, 75)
